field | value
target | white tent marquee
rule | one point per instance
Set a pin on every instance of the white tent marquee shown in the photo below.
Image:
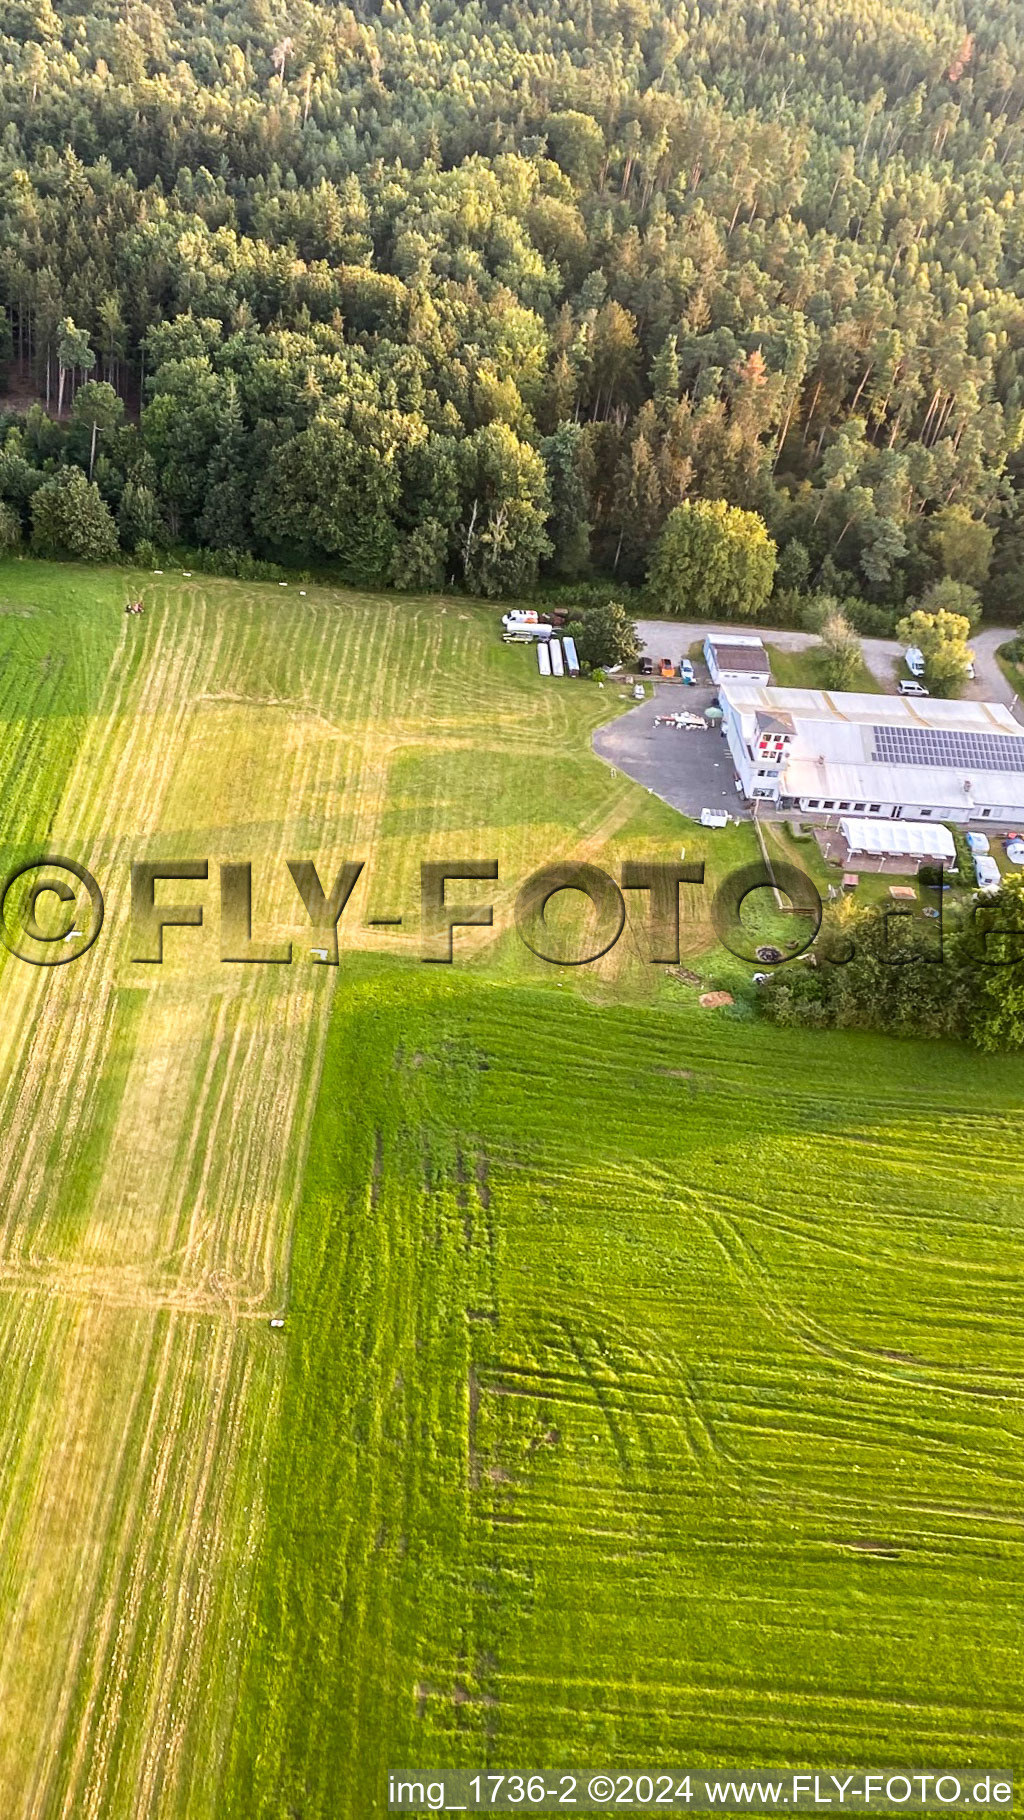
(919, 840)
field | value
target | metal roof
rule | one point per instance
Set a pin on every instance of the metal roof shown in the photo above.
(751, 657)
(920, 752)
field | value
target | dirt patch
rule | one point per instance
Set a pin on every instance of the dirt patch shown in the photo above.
(712, 1001)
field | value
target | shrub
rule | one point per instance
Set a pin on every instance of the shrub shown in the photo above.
(10, 529)
(70, 519)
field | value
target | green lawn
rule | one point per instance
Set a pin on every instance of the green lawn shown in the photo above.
(649, 1387)
(652, 1396)
(1013, 671)
(805, 670)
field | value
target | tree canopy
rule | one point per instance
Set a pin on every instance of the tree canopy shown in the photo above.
(767, 256)
(941, 637)
(714, 561)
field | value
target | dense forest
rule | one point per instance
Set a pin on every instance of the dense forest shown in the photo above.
(478, 293)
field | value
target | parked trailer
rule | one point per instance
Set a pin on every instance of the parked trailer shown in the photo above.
(572, 662)
(526, 635)
(544, 659)
(557, 661)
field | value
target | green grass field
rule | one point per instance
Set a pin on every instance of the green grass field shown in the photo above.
(806, 670)
(650, 1388)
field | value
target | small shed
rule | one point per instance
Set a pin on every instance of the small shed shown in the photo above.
(737, 659)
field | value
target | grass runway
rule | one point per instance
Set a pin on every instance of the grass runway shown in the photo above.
(652, 1382)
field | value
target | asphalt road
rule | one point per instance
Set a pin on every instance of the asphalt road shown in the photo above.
(883, 656)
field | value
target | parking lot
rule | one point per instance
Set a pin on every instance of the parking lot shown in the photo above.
(692, 771)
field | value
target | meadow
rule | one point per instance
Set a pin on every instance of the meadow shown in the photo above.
(650, 1383)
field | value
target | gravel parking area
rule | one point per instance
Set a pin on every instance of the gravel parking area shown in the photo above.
(691, 771)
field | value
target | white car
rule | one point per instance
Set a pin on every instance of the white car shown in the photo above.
(909, 687)
(685, 670)
(978, 843)
(1015, 852)
(986, 872)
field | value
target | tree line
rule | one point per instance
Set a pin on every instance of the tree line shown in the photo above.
(485, 295)
(879, 970)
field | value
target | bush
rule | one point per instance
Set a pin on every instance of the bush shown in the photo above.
(964, 857)
(867, 975)
(607, 636)
(70, 519)
(420, 560)
(952, 597)
(841, 652)
(10, 529)
(138, 516)
(237, 565)
(590, 594)
(869, 619)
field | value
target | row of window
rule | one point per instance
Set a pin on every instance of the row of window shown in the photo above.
(858, 808)
(814, 802)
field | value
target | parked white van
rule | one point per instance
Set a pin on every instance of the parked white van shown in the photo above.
(913, 657)
(907, 686)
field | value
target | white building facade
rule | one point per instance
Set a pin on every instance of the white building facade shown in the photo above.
(736, 659)
(875, 755)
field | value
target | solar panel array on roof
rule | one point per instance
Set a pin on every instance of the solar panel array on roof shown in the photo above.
(948, 749)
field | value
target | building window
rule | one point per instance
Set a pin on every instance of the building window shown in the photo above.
(858, 807)
(875, 809)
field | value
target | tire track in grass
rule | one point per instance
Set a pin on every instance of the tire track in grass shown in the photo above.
(74, 1500)
(117, 1600)
(57, 1058)
(178, 1703)
(813, 1336)
(56, 1063)
(171, 1638)
(49, 1093)
(48, 1770)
